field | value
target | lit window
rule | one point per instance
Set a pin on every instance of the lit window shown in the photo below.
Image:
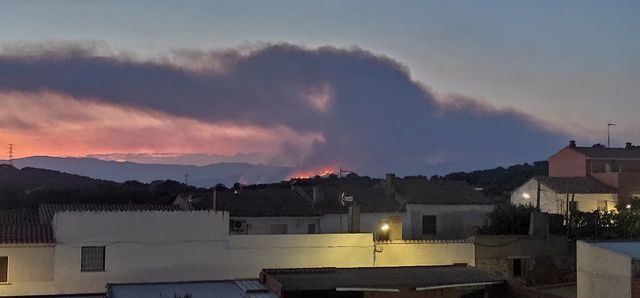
(92, 258)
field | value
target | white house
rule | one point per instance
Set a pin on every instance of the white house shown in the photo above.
(85, 247)
(392, 209)
(559, 193)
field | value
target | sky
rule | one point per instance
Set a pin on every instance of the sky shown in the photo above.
(527, 75)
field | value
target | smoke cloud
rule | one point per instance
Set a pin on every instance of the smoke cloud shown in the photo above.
(351, 107)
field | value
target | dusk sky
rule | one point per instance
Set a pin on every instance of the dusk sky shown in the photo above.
(406, 86)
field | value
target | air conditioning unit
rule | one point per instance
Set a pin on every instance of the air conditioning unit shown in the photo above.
(238, 226)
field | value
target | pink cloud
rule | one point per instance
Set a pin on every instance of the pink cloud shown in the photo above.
(46, 123)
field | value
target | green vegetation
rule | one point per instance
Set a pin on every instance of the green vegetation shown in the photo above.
(500, 182)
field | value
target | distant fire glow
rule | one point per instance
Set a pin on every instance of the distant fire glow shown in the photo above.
(306, 174)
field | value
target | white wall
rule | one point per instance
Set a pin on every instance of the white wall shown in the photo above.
(601, 272)
(30, 267)
(452, 221)
(369, 223)
(555, 203)
(159, 246)
(295, 225)
(250, 254)
(424, 253)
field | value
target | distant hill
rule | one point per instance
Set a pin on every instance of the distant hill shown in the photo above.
(500, 182)
(29, 187)
(200, 176)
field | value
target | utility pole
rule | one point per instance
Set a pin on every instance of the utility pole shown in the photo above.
(609, 134)
(186, 179)
(11, 154)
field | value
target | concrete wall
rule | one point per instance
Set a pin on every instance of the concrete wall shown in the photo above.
(452, 221)
(248, 255)
(568, 163)
(545, 260)
(424, 253)
(555, 203)
(601, 272)
(262, 225)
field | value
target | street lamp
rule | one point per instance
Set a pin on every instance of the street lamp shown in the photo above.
(384, 227)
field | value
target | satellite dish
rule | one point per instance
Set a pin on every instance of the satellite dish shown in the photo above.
(346, 200)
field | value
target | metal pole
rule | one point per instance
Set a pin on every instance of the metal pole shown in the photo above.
(538, 194)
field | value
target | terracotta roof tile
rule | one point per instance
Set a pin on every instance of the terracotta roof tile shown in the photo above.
(26, 234)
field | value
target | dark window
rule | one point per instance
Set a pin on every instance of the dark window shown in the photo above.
(517, 267)
(428, 224)
(92, 258)
(311, 228)
(4, 269)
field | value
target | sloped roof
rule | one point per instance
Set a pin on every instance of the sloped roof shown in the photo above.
(266, 203)
(396, 278)
(22, 226)
(371, 197)
(447, 192)
(18, 216)
(577, 185)
(26, 234)
(610, 153)
(47, 211)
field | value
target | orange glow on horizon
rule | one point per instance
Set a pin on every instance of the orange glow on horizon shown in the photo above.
(310, 173)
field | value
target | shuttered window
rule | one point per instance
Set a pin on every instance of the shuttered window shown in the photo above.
(92, 258)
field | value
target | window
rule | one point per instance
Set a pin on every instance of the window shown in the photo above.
(517, 267)
(4, 269)
(428, 224)
(311, 228)
(278, 229)
(92, 258)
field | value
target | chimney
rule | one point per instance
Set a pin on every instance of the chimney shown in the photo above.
(390, 177)
(218, 203)
(316, 194)
(572, 144)
(629, 145)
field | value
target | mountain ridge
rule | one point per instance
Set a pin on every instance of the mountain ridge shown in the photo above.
(226, 173)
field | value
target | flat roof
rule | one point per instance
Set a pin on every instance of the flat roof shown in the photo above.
(196, 289)
(387, 279)
(629, 248)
